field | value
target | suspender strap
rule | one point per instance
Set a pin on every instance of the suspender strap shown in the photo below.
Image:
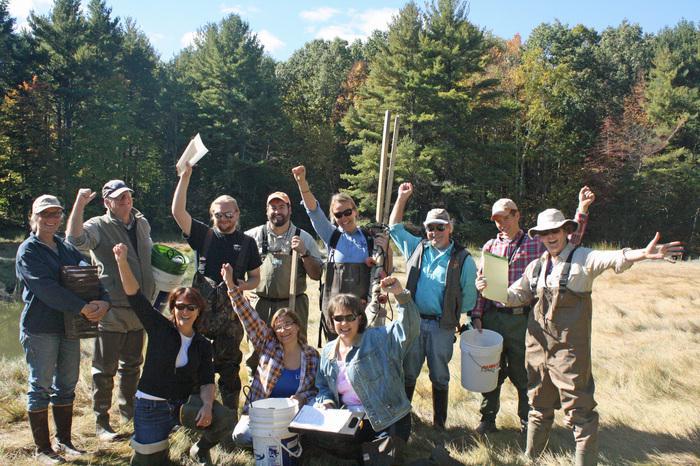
(202, 254)
(563, 279)
(265, 246)
(517, 246)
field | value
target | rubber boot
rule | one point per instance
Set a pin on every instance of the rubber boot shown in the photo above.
(409, 391)
(200, 452)
(586, 457)
(537, 437)
(154, 459)
(439, 407)
(63, 418)
(103, 430)
(39, 423)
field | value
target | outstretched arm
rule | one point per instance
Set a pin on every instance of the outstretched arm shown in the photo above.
(404, 193)
(179, 205)
(655, 251)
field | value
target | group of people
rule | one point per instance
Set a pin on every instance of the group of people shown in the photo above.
(365, 366)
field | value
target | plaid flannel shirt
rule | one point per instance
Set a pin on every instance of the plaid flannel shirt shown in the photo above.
(529, 249)
(271, 354)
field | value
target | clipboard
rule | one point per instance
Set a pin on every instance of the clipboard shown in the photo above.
(496, 274)
(341, 422)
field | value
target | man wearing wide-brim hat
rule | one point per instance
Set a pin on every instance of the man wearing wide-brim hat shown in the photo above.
(519, 249)
(558, 339)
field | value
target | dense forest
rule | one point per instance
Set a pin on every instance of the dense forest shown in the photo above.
(87, 99)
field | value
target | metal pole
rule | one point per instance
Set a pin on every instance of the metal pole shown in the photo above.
(390, 174)
(383, 159)
(293, 281)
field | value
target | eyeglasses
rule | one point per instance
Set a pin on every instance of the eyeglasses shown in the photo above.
(438, 227)
(549, 232)
(344, 213)
(283, 327)
(45, 214)
(345, 318)
(183, 306)
(220, 215)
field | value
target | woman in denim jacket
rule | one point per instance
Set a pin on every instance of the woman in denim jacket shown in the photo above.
(362, 370)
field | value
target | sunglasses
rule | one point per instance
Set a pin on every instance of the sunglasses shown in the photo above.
(45, 214)
(283, 327)
(438, 227)
(220, 215)
(345, 318)
(183, 306)
(344, 213)
(549, 232)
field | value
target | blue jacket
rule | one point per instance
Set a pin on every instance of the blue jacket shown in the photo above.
(375, 367)
(38, 269)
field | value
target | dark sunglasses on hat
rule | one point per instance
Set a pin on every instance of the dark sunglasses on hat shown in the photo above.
(228, 215)
(345, 318)
(344, 213)
(183, 306)
(438, 227)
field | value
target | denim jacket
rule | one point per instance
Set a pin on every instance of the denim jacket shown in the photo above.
(375, 367)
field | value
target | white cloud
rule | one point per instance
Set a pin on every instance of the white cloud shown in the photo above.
(354, 24)
(319, 14)
(188, 38)
(156, 37)
(239, 9)
(271, 42)
(20, 9)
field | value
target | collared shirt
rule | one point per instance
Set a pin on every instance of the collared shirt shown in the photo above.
(586, 265)
(527, 251)
(283, 243)
(271, 353)
(351, 248)
(430, 291)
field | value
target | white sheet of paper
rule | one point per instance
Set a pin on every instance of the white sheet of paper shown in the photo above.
(496, 275)
(193, 153)
(326, 420)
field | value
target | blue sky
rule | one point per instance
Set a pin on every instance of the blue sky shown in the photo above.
(284, 26)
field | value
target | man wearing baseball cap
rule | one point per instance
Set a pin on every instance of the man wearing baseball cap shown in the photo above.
(276, 239)
(513, 243)
(440, 274)
(558, 335)
(119, 343)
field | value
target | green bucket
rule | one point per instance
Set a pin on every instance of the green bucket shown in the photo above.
(169, 260)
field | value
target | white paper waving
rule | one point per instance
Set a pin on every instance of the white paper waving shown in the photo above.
(193, 153)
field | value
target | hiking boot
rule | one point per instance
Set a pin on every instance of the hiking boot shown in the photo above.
(103, 431)
(201, 456)
(486, 427)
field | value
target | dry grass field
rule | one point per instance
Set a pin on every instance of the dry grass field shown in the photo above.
(646, 357)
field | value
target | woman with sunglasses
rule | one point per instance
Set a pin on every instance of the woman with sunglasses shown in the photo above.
(287, 365)
(350, 248)
(53, 359)
(178, 371)
(363, 369)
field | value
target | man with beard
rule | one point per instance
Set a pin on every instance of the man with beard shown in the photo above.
(276, 239)
(440, 278)
(221, 244)
(119, 342)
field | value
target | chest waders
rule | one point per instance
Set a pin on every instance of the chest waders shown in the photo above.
(558, 363)
(275, 272)
(341, 278)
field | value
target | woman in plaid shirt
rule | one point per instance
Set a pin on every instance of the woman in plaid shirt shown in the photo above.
(287, 366)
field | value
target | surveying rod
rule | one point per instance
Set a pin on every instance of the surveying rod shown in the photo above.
(293, 281)
(383, 163)
(390, 172)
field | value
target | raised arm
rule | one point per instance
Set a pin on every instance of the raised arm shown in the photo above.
(74, 227)
(404, 193)
(586, 197)
(405, 329)
(129, 282)
(179, 205)
(300, 177)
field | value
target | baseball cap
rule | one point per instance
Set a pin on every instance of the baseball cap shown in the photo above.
(502, 207)
(279, 195)
(114, 188)
(45, 201)
(437, 216)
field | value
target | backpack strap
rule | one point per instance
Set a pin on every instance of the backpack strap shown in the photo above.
(202, 254)
(264, 247)
(370, 241)
(242, 257)
(335, 236)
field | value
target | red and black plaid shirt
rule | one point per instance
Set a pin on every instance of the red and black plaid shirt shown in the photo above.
(528, 250)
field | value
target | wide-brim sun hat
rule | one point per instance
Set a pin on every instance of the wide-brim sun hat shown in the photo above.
(551, 219)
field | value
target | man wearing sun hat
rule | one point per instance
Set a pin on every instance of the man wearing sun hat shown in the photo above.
(558, 339)
(440, 274)
(514, 244)
(276, 239)
(119, 344)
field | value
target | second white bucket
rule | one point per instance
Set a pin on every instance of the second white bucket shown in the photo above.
(273, 444)
(481, 359)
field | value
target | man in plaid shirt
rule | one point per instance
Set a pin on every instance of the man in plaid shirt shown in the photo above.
(514, 243)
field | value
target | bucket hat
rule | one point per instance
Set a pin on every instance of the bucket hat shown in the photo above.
(551, 219)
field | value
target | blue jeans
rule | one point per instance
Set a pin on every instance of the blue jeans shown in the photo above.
(434, 344)
(54, 365)
(153, 420)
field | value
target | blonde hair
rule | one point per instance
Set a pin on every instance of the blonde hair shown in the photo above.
(338, 198)
(223, 199)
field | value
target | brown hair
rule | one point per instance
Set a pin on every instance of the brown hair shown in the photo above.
(194, 295)
(286, 312)
(351, 303)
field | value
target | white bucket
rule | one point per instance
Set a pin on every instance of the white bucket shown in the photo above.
(166, 281)
(273, 444)
(481, 359)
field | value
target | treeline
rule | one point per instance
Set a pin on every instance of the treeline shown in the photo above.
(86, 99)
